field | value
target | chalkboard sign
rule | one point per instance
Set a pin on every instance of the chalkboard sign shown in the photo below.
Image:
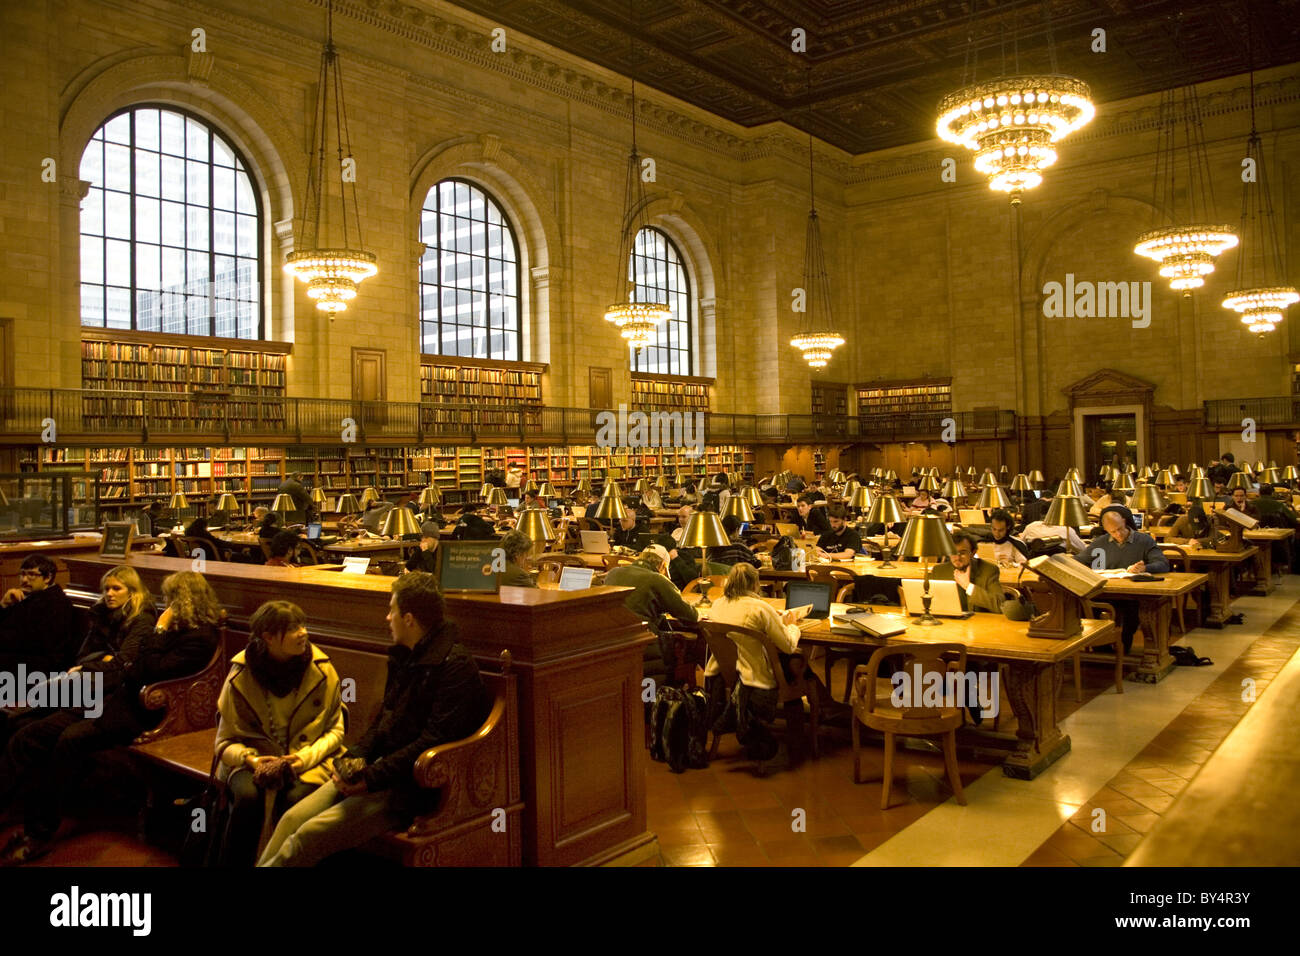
(470, 565)
(117, 539)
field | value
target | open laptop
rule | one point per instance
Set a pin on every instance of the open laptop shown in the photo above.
(946, 599)
(816, 593)
(313, 531)
(643, 540)
(575, 579)
(594, 542)
(791, 530)
(972, 516)
(513, 502)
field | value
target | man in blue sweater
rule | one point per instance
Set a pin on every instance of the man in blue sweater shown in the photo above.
(1123, 546)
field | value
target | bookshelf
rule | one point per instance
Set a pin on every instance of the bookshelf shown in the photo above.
(488, 386)
(927, 397)
(205, 375)
(829, 398)
(670, 392)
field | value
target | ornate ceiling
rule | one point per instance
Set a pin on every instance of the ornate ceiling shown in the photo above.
(875, 70)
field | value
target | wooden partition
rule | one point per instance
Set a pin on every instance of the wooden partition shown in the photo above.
(577, 655)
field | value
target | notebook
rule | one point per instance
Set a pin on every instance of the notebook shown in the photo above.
(575, 579)
(947, 600)
(816, 593)
(595, 542)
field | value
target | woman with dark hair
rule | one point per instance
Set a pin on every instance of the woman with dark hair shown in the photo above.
(199, 529)
(49, 756)
(281, 725)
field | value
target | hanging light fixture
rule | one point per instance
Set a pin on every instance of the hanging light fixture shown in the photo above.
(816, 338)
(1012, 122)
(331, 272)
(1187, 247)
(1259, 294)
(636, 321)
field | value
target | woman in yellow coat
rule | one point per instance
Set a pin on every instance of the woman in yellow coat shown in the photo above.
(281, 726)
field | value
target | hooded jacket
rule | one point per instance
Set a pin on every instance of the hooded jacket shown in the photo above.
(433, 695)
(308, 723)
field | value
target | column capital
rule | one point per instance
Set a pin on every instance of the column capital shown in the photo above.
(284, 234)
(541, 277)
(73, 191)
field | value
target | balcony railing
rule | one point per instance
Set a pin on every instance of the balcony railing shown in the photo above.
(31, 416)
(1230, 414)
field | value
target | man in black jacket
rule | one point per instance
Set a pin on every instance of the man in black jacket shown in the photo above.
(433, 695)
(38, 624)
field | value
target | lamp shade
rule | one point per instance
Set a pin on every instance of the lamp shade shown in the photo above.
(612, 490)
(1239, 480)
(179, 503)
(836, 476)
(753, 496)
(1194, 472)
(283, 504)
(1291, 473)
(994, 496)
(704, 530)
(1270, 475)
(970, 472)
(1021, 483)
(1147, 497)
(1037, 478)
(537, 525)
(318, 496)
(611, 508)
(1201, 488)
(430, 497)
(1003, 470)
(485, 490)
(1259, 465)
(399, 522)
(891, 476)
(1155, 467)
(662, 483)
(987, 480)
(1073, 475)
(1070, 487)
(952, 489)
(367, 496)
(529, 488)
(497, 496)
(861, 500)
(738, 508)
(227, 502)
(583, 486)
(926, 536)
(851, 489)
(642, 486)
(546, 490)
(1163, 478)
(1066, 510)
(1123, 482)
(928, 484)
(885, 510)
(348, 505)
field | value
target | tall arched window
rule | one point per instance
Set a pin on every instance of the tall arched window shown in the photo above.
(469, 275)
(656, 267)
(171, 237)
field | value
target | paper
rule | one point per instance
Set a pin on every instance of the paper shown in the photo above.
(799, 612)
(355, 565)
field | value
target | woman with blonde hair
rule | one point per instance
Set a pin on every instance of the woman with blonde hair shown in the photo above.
(47, 758)
(753, 699)
(281, 726)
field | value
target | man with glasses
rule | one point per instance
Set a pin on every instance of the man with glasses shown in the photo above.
(38, 625)
(979, 580)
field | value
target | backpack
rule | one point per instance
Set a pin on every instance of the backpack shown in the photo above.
(783, 554)
(679, 726)
(1041, 546)
(709, 502)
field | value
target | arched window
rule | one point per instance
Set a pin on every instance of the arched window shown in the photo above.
(656, 267)
(469, 275)
(171, 233)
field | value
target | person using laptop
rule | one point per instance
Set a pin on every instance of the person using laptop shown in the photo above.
(978, 579)
(736, 552)
(683, 518)
(841, 541)
(425, 557)
(625, 535)
(1007, 550)
(518, 548)
(812, 520)
(474, 526)
(753, 699)
(1121, 545)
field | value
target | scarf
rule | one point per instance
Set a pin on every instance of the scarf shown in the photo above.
(281, 678)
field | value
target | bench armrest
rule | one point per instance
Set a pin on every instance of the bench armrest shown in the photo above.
(189, 703)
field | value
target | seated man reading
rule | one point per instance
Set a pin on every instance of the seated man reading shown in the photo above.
(979, 579)
(841, 541)
(433, 695)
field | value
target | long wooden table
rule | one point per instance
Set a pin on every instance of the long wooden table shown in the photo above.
(578, 657)
(1218, 565)
(1035, 669)
(1265, 538)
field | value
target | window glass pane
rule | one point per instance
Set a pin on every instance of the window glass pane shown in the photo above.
(173, 224)
(197, 320)
(146, 174)
(117, 215)
(92, 162)
(222, 155)
(92, 259)
(196, 227)
(148, 311)
(196, 140)
(246, 236)
(223, 188)
(197, 267)
(117, 262)
(147, 265)
(146, 220)
(146, 129)
(117, 167)
(92, 305)
(119, 308)
(173, 270)
(223, 232)
(246, 202)
(196, 182)
(173, 178)
(92, 213)
(118, 129)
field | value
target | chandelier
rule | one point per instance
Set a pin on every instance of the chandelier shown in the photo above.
(816, 340)
(1186, 248)
(331, 272)
(636, 321)
(1012, 123)
(1258, 293)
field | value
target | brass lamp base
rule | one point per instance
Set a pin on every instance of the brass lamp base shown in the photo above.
(926, 619)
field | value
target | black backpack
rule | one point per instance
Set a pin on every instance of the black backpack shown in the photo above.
(679, 727)
(783, 554)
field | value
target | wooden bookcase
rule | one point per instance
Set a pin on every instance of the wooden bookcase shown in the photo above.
(206, 375)
(933, 396)
(829, 398)
(670, 392)
(485, 385)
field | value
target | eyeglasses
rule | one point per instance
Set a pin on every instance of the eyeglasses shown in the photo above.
(30, 574)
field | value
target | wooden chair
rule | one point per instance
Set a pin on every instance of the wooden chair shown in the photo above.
(551, 566)
(843, 585)
(880, 715)
(1099, 610)
(174, 547)
(188, 545)
(716, 581)
(306, 554)
(589, 524)
(723, 648)
(1177, 557)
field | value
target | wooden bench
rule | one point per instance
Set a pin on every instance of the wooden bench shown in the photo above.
(478, 820)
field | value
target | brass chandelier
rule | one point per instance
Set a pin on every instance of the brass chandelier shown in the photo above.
(331, 272)
(1012, 122)
(1258, 295)
(816, 339)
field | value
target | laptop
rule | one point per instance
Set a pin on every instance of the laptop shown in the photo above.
(313, 531)
(743, 529)
(803, 593)
(513, 502)
(594, 542)
(972, 516)
(575, 579)
(946, 599)
(1138, 519)
(790, 530)
(643, 540)
(578, 511)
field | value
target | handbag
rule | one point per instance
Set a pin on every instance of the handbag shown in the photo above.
(202, 847)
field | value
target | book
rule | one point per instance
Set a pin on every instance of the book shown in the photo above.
(1244, 520)
(1079, 579)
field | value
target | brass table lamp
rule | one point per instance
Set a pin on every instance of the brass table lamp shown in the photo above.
(885, 510)
(536, 523)
(926, 536)
(704, 530)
